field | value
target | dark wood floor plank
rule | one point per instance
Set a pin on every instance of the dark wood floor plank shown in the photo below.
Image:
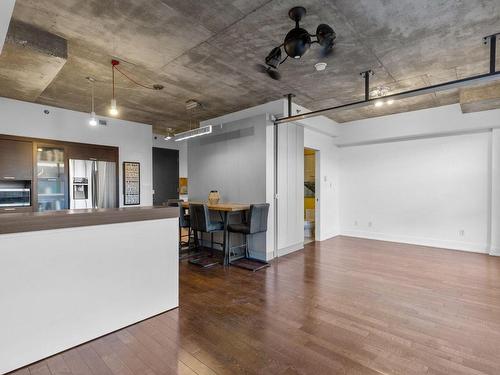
(92, 360)
(110, 357)
(40, 368)
(57, 365)
(23, 371)
(76, 363)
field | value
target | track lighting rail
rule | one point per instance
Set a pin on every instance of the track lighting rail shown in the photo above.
(482, 78)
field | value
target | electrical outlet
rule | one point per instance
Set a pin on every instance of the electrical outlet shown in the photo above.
(355, 223)
(370, 224)
(461, 232)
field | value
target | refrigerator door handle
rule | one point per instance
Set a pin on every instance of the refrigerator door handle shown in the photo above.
(94, 184)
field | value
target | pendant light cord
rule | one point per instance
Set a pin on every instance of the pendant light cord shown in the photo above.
(93, 97)
(113, 70)
(134, 81)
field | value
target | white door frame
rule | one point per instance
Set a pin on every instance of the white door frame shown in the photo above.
(317, 195)
(317, 192)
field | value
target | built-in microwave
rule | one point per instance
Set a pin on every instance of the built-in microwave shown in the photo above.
(15, 194)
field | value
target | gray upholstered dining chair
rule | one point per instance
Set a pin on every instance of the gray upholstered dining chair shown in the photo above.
(201, 223)
(256, 222)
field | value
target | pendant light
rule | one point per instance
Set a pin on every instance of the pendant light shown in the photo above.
(113, 109)
(92, 119)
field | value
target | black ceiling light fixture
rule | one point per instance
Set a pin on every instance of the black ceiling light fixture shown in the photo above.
(297, 42)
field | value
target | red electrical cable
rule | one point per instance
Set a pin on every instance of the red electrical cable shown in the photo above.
(133, 80)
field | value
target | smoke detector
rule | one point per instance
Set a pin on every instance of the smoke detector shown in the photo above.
(320, 66)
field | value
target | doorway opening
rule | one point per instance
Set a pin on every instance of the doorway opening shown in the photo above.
(165, 175)
(310, 199)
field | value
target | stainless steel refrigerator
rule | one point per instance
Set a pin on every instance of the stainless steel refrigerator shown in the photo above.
(92, 184)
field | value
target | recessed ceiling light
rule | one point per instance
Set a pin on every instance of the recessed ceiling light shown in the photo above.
(379, 103)
(320, 66)
(390, 101)
(379, 92)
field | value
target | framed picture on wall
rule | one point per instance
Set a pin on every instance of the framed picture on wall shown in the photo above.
(131, 183)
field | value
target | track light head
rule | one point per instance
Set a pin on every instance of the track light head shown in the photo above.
(274, 58)
(297, 42)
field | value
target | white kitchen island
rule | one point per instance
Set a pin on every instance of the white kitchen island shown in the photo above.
(72, 276)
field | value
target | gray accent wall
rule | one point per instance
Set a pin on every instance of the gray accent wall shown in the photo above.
(232, 161)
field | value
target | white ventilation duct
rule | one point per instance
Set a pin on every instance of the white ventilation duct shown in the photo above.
(193, 133)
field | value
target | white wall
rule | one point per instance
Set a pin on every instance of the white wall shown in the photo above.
(327, 189)
(133, 139)
(426, 122)
(6, 9)
(423, 191)
(495, 192)
(436, 150)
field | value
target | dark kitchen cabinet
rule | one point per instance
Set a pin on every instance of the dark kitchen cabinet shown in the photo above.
(16, 160)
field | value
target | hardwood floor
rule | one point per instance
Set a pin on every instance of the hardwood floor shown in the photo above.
(344, 306)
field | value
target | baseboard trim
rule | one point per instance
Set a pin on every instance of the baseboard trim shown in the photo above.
(421, 241)
(329, 236)
(495, 251)
(290, 249)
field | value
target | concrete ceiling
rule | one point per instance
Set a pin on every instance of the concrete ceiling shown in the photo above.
(207, 50)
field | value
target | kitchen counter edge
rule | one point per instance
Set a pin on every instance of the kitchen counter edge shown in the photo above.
(38, 221)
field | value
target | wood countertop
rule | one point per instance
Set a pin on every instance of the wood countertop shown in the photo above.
(36, 221)
(229, 207)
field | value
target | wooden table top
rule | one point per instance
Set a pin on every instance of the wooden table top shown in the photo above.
(229, 207)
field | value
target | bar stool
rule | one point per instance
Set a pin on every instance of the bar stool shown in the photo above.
(184, 223)
(256, 223)
(201, 222)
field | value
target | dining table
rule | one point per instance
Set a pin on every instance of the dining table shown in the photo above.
(225, 209)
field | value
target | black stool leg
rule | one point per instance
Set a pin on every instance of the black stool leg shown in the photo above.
(247, 253)
(180, 238)
(228, 255)
(212, 243)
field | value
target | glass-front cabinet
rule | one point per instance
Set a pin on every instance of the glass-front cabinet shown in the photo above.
(51, 178)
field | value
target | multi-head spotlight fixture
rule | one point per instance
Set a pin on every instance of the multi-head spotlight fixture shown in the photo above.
(297, 42)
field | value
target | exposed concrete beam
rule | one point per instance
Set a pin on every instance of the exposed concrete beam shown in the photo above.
(476, 99)
(30, 61)
(6, 9)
